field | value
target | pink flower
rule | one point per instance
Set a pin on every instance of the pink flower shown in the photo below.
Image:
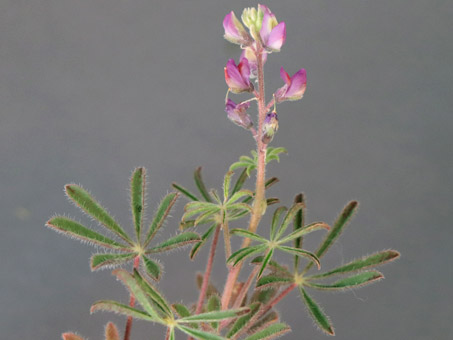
(235, 31)
(272, 33)
(294, 88)
(237, 113)
(238, 77)
(249, 53)
(270, 127)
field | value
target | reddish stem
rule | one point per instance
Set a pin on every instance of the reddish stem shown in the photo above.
(127, 331)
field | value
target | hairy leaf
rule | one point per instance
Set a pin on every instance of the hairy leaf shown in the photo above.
(305, 230)
(298, 223)
(215, 315)
(354, 281)
(271, 332)
(153, 269)
(153, 293)
(273, 281)
(177, 241)
(266, 260)
(273, 265)
(288, 218)
(204, 238)
(138, 183)
(243, 320)
(107, 260)
(247, 234)
(316, 313)
(160, 215)
(119, 308)
(88, 204)
(227, 184)
(265, 321)
(300, 252)
(275, 219)
(78, 231)
(198, 334)
(200, 184)
(135, 289)
(243, 253)
(185, 192)
(264, 296)
(239, 182)
(360, 264)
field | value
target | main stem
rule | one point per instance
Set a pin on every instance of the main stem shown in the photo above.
(259, 204)
(127, 331)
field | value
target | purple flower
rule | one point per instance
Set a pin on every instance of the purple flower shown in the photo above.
(238, 77)
(294, 88)
(238, 115)
(270, 127)
(249, 53)
(272, 33)
(235, 31)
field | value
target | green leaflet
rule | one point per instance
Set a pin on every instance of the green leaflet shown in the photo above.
(106, 260)
(198, 334)
(316, 313)
(152, 293)
(88, 204)
(305, 230)
(248, 234)
(181, 310)
(215, 315)
(204, 238)
(227, 184)
(214, 304)
(360, 264)
(135, 289)
(288, 218)
(271, 332)
(185, 192)
(267, 319)
(243, 253)
(266, 260)
(337, 229)
(264, 296)
(275, 220)
(161, 214)
(200, 184)
(273, 266)
(177, 241)
(239, 182)
(138, 183)
(78, 231)
(354, 281)
(298, 223)
(243, 320)
(116, 307)
(300, 252)
(153, 269)
(273, 281)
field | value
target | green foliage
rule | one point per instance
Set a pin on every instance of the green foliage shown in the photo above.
(250, 163)
(125, 250)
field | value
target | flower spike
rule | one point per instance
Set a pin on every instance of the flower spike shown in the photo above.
(294, 88)
(238, 77)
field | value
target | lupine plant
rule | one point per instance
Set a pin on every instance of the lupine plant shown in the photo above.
(238, 309)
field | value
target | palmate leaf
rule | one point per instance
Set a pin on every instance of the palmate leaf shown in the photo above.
(288, 219)
(196, 248)
(305, 230)
(109, 260)
(316, 313)
(74, 229)
(248, 234)
(119, 308)
(274, 266)
(300, 252)
(243, 253)
(266, 260)
(240, 182)
(161, 214)
(177, 241)
(250, 163)
(360, 264)
(298, 223)
(271, 332)
(138, 183)
(89, 205)
(241, 322)
(354, 281)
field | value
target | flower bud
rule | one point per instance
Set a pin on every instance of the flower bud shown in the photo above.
(235, 31)
(270, 127)
(238, 77)
(238, 115)
(294, 88)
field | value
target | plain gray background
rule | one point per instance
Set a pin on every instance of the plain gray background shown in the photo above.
(90, 89)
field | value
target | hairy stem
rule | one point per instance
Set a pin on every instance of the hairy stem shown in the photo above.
(127, 331)
(259, 204)
(226, 237)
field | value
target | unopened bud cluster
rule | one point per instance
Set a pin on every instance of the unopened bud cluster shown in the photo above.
(264, 35)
